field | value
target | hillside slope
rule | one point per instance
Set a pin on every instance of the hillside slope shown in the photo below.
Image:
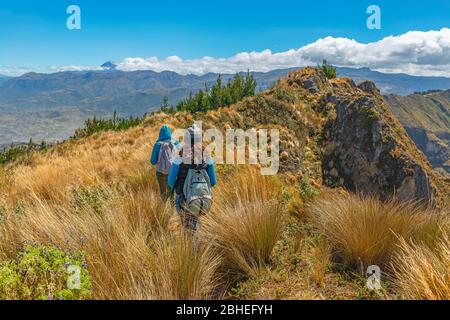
(426, 118)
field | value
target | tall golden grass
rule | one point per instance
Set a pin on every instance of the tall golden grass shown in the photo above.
(422, 272)
(115, 240)
(98, 196)
(245, 234)
(317, 254)
(248, 185)
(366, 230)
(185, 268)
(246, 220)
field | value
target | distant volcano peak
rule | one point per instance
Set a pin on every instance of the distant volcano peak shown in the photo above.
(109, 65)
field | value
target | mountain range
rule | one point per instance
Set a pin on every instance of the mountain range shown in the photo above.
(3, 78)
(51, 106)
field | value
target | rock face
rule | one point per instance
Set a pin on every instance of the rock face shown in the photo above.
(367, 150)
(364, 153)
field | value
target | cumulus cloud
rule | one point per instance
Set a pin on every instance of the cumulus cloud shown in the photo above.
(415, 52)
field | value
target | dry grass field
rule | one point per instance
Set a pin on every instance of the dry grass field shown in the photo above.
(263, 238)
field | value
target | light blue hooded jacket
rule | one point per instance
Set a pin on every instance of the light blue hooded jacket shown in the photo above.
(164, 135)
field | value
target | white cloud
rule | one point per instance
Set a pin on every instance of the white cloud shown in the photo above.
(415, 52)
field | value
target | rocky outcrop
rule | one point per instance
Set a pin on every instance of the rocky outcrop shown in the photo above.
(363, 155)
(369, 87)
(365, 148)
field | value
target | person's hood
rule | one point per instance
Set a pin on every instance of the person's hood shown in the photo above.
(193, 132)
(165, 134)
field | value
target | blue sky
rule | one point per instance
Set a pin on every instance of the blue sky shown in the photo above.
(33, 34)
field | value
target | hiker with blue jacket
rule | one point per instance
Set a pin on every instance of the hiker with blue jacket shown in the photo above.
(192, 178)
(162, 157)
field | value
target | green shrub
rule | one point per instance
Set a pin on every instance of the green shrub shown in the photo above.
(220, 95)
(15, 152)
(117, 123)
(42, 273)
(329, 70)
(93, 198)
(307, 191)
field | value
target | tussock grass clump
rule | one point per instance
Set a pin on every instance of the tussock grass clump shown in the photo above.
(146, 211)
(246, 220)
(247, 185)
(366, 230)
(421, 272)
(245, 233)
(183, 268)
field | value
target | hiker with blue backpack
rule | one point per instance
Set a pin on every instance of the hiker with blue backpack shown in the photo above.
(162, 157)
(192, 178)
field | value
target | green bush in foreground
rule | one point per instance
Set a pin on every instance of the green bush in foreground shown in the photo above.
(45, 273)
